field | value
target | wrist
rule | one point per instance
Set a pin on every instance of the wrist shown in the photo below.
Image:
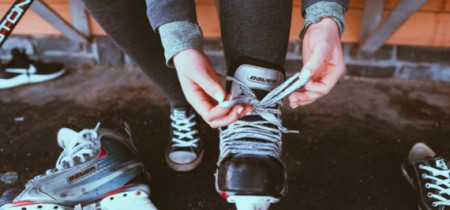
(321, 11)
(180, 36)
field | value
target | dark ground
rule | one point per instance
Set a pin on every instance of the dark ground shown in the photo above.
(347, 155)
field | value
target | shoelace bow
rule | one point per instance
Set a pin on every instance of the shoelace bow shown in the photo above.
(183, 135)
(441, 201)
(84, 143)
(235, 138)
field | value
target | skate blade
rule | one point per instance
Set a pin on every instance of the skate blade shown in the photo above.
(135, 199)
(251, 202)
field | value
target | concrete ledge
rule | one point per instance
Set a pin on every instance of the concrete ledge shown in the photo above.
(390, 61)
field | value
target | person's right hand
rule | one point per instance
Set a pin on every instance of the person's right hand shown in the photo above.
(203, 91)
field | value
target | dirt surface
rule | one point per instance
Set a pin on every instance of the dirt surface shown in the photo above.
(347, 155)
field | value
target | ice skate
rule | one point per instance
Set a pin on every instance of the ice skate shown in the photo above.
(250, 171)
(98, 169)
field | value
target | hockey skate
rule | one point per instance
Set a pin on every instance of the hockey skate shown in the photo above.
(250, 171)
(98, 169)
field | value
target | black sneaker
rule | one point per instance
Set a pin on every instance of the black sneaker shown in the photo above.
(185, 149)
(430, 177)
(20, 71)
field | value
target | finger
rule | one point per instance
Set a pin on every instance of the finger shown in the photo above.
(217, 112)
(210, 83)
(320, 53)
(304, 103)
(296, 97)
(198, 99)
(316, 87)
(235, 113)
(326, 82)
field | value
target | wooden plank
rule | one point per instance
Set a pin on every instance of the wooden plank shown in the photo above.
(397, 17)
(430, 5)
(434, 27)
(80, 17)
(373, 12)
(57, 21)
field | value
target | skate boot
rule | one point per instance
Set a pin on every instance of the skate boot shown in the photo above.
(429, 175)
(185, 150)
(98, 169)
(250, 172)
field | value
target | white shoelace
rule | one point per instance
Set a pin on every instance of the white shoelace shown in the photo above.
(183, 135)
(441, 201)
(259, 137)
(84, 143)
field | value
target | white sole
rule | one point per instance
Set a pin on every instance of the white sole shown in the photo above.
(184, 167)
(24, 79)
(252, 202)
(136, 199)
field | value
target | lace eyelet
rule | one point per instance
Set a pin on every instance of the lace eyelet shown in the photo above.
(424, 176)
(427, 186)
(434, 204)
(421, 166)
(429, 195)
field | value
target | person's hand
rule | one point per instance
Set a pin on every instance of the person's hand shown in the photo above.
(322, 55)
(203, 90)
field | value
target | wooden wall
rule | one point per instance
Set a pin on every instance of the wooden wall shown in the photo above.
(430, 26)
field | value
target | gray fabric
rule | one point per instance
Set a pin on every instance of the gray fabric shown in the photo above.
(178, 36)
(319, 10)
(308, 3)
(255, 29)
(160, 12)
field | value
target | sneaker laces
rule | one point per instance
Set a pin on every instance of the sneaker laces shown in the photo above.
(75, 151)
(183, 134)
(240, 136)
(435, 176)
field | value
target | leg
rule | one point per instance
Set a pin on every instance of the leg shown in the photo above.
(127, 24)
(255, 29)
(255, 36)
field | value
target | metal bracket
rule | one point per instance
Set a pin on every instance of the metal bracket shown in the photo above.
(79, 33)
(373, 35)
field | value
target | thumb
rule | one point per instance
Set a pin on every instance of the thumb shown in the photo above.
(211, 86)
(320, 53)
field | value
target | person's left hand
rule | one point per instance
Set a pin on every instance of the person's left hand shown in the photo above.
(322, 56)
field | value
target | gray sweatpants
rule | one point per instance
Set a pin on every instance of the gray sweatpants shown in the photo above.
(257, 29)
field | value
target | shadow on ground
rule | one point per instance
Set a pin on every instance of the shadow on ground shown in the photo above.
(347, 155)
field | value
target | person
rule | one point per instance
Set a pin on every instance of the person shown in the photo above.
(255, 35)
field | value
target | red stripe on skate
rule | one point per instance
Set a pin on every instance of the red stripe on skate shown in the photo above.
(115, 191)
(224, 195)
(102, 153)
(23, 203)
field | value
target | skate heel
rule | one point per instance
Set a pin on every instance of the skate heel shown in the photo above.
(135, 199)
(252, 202)
(22, 205)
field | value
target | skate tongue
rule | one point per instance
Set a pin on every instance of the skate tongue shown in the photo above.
(438, 162)
(261, 80)
(65, 135)
(181, 114)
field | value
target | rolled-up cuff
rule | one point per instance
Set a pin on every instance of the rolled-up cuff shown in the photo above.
(178, 36)
(322, 9)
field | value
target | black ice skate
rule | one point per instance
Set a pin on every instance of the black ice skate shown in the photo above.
(250, 172)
